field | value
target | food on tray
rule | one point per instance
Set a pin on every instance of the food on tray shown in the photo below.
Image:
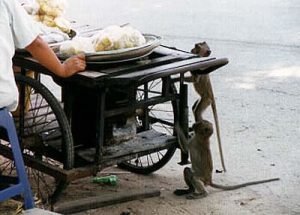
(52, 35)
(31, 6)
(48, 12)
(63, 24)
(77, 45)
(116, 37)
(53, 8)
(110, 38)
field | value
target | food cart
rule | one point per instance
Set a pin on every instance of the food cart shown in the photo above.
(119, 111)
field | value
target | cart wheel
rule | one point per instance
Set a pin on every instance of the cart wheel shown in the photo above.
(44, 135)
(160, 117)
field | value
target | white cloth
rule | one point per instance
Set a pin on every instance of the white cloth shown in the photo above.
(17, 30)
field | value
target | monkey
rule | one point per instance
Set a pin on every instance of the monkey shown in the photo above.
(203, 87)
(200, 173)
(201, 49)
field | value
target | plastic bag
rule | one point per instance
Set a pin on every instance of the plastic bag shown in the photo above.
(116, 37)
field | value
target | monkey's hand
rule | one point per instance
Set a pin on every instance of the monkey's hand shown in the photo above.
(188, 78)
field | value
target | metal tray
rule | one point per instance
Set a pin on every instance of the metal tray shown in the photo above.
(121, 55)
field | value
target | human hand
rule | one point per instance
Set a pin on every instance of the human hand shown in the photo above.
(74, 64)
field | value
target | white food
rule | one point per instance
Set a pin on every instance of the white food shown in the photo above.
(110, 38)
(116, 37)
(48, 12)
(52, 8)
(31, 6)
(76, 45)
(62, 23)
(52, 35)
(135, 36)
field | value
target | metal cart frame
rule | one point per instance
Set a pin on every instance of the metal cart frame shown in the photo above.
(97, 85)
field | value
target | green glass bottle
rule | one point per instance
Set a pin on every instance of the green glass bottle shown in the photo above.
(110, 180)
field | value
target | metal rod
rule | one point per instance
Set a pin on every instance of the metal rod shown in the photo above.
(184, 115)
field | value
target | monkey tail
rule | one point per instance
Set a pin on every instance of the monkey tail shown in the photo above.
(182, 140)
(214, 110)
(233, 187)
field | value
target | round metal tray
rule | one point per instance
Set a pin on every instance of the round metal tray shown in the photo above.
(121, 55)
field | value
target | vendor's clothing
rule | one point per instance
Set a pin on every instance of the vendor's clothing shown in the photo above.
(17, 30)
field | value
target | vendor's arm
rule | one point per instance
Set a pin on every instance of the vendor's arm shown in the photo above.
(44, 54)
(24, 33)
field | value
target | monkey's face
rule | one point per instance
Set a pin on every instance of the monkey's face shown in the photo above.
(201, 49)
(203, 128)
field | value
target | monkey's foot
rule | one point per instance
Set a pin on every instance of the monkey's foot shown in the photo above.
(197, 195)
(181, 192)
(184, 162)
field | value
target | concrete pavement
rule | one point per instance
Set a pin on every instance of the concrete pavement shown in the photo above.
(257, 93)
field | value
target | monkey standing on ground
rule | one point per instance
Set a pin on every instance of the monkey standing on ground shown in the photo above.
(203, 87)
(202, 165)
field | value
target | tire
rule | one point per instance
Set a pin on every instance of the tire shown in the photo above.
(161, 118)
(44, 135)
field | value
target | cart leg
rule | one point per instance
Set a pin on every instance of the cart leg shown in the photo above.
(184, 118)
(100, 120)
(55, 196)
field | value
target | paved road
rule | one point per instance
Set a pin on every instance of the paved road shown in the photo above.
(271, 23)
(258, 93)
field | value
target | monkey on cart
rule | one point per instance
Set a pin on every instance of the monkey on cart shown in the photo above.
(203, 87)
(200, 173)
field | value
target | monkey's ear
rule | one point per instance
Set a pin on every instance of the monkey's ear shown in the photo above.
(194, 126)
(208, 131)
(207, 53)
(193, 51)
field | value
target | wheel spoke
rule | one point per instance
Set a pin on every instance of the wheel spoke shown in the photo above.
(161, 118)
(43, 121)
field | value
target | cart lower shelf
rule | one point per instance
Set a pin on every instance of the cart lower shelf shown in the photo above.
(144, 143)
